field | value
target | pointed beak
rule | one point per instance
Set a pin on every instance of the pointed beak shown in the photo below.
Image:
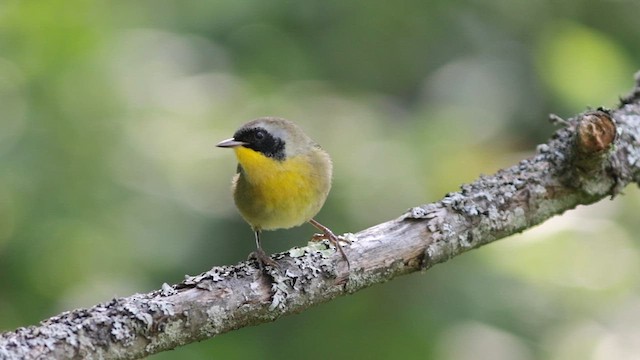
(229, 143)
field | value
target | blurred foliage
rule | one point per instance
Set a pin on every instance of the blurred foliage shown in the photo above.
(110, 183)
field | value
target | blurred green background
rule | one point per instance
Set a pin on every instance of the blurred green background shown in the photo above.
(110, 183)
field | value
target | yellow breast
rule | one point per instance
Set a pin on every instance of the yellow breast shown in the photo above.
(273, 194)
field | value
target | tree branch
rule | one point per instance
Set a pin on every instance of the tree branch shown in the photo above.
(593, 156)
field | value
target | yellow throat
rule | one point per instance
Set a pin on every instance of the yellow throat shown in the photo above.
(273, 194)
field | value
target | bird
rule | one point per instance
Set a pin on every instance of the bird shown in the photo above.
(282, 180)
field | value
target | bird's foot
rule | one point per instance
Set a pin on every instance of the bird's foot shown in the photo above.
(263, 259)
(329, 236)
(334, 240)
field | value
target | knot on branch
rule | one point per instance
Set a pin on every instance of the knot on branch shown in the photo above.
(595, 133)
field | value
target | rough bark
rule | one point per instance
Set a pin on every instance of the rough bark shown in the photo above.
(594, 155)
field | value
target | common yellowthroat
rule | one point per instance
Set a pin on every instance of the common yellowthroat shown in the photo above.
(282, 181)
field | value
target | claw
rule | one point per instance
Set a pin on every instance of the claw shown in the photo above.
(333, 239)
(263, 259)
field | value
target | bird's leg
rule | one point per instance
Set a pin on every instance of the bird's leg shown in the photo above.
(261, 257)
(329, 235)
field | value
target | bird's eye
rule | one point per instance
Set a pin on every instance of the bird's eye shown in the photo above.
(259, 135)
